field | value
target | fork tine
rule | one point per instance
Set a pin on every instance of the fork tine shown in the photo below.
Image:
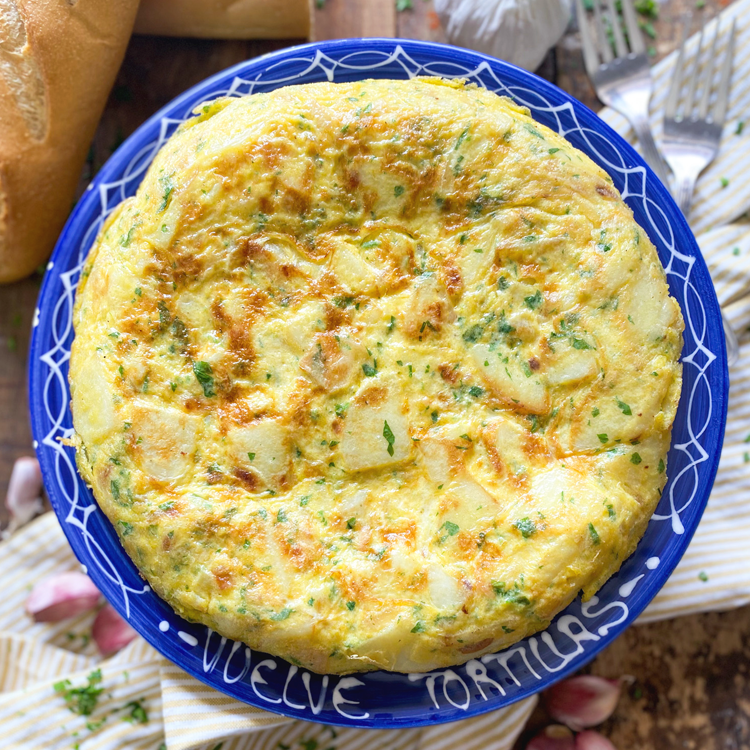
(670, 109)
(693, 79)
(620, 47)
(708, 77)
(590, 58)
(726, 76)
(604, 48)
(637, 47)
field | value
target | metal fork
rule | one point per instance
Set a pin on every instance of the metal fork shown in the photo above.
(622, 82)
(693, 125)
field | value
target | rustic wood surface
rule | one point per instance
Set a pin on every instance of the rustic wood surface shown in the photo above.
(690, 687)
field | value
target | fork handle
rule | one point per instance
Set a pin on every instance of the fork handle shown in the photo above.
(684, 188)
(642, 129)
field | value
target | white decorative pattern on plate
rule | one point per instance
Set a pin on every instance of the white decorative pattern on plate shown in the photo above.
(379, 698)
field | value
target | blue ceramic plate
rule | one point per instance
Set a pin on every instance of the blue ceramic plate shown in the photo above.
(383, 699)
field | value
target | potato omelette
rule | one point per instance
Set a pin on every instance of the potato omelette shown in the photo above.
(374, 375)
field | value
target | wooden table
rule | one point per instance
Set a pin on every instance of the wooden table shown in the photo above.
(691, 675)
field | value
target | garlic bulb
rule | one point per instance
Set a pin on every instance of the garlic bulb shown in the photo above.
(519, 31)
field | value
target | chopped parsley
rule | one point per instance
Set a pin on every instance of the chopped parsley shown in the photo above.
(603, 437)
(661, 466)
(594, 534)
(534, 301)
(283, 615)
(81, 700)
(351, 605)
(369, 370)
(526, 526)
(137, 713)
(624, 408)
(418, 628)
(204, 375)
(636, 459)
(389, 437)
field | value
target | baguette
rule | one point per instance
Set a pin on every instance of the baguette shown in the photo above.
(226, 19)
(58, 60)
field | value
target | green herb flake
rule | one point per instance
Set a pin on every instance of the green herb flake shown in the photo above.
(594, 534)
(251, 456)
(624, 408)
(351, 605)
(389, 437)
(351, 523)
(475, 391)
(137, 713)
(418, 628)
(526, 526)
(740, 126)
(534, 301)
(450, 528)
(283, 615)
(369, 370)
(724, 182)
(703, 576)
(603, 437)
(398, 191)
(661, 466)
(81, 700)
(636, 459)
(204, 375)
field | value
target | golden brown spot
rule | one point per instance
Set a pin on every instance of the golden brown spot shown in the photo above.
(534, 363)
(373, 396)
(248, 479)
(606, 192)
(223, 577)
(453, 281)
(449, 373)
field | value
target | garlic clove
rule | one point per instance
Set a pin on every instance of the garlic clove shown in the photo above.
(24, 499)
(582, 701)
(590, 740)
(110, 631)
(62, 596)
(553, 737)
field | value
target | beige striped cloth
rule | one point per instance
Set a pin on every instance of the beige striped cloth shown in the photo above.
(184, 714)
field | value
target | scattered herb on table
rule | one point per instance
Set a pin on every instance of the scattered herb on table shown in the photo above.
(81, 700)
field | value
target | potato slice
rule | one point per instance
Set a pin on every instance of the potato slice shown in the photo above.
(375, 423)
(509, 382)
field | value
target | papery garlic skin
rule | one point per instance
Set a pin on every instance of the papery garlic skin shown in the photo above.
(24, 493)
(590, 740)
(110, 632)
(553, 737)
(61, 597)
(583, 701)
(519, 31)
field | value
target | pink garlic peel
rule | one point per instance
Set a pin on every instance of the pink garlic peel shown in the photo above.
(62, 596)
(110, 631)
(590, 740)
(24, 499)
(553, 737)
(583, 701)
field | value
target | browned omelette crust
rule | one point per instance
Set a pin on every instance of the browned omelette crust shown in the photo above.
(374, 375)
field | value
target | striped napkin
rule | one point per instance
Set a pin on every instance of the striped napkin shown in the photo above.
(183, 714)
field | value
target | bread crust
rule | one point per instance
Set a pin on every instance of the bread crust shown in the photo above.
(226, 19)
(77, 48)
